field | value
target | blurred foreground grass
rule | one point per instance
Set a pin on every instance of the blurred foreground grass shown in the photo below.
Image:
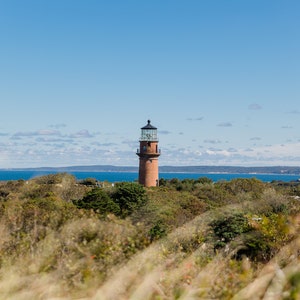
(190, 239)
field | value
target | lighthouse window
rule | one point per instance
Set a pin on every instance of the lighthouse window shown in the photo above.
(149, 135)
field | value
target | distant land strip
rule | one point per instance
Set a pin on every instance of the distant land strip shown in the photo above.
(292, 170)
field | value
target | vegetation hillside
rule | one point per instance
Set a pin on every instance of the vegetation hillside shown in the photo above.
(192, 239)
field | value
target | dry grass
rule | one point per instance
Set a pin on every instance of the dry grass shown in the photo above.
(50, 250)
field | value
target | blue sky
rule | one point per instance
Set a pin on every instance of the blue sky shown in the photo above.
(79, 78)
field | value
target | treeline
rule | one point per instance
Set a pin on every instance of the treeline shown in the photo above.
(233, 169)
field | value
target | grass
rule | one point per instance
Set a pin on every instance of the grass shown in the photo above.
(50, 249)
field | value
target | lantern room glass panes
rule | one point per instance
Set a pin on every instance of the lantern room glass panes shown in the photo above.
(149, 135)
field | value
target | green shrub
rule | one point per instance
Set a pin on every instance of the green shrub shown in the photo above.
(129, 196)
(99, 201)
(227, 227)
(89, 181)
(243, 185)
(122, 200)
(213, 195)
(256, 247)
(162, 182)
(157, 231)
(3, 194)
(187, 184)
(204, 180)
(54, 178)
(269, 233)
(294, 286)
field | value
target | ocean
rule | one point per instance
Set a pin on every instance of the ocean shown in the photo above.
(112, 177)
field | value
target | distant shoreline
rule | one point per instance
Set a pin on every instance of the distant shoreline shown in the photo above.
(283, 170)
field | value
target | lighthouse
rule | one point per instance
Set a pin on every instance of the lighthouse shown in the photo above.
(148, 154)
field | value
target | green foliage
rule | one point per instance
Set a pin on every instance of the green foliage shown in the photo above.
(275, 227)
(157, 231)
(213, 195)
(187, 184)
(121, 201)
(63, 185)
(227, 227)
(291, 188)
(3, 195)
(271, 202)
(162, 182)
(99, 201)
(256, 247)
(129, 196)
(277, 202)
(294, 286)
(167, 209)
(243, 185)
(203, 180)
(13, 186)
(89, 181)
(50, 248)
(54, 178)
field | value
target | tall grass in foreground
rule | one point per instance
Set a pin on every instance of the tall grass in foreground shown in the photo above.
(205, 241)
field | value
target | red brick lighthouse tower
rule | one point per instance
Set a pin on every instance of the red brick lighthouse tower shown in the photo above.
(148, 153)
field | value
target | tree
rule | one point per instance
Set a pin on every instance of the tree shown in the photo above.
(99, 201)
(129, 196)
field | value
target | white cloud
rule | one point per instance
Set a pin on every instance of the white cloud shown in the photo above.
(214, 150)
(103, 144)
(254, 106)
(295, 112)
(44, 132)
(255, 138)
(58, 126)
(48, 132)
(195, 119)
(81, 134)
(164, 132)
(232, 150)
(130, 143)
(53, 140)
(211, 141)
(225, 124)
(51, 147)
(257, 156)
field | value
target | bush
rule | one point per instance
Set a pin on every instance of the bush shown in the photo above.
(256, 247)
(187, 184)
(213, 195)
(243, 185)
(294, 286)
(204, 180)
(3, 194)
(128, 196)
(89, 182)
(57, 178)
(226, 228)
(157, 231)
(268, 234)
(122, 201)
(99, 201)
